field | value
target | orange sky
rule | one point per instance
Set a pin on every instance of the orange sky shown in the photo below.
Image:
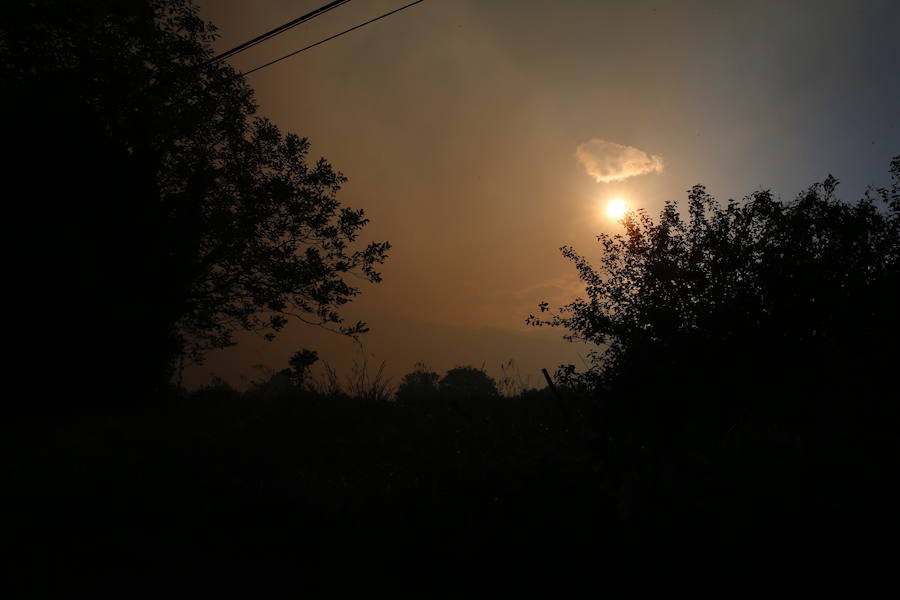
(457, 124)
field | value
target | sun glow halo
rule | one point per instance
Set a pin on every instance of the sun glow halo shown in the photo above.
(616, 208)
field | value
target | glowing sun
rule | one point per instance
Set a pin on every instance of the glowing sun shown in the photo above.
(616, 208)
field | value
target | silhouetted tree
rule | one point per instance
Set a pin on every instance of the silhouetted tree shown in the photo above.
(163, 214)
(745, 359)
(756, 307)
(421, 384)
(300, 363)
(467, 383)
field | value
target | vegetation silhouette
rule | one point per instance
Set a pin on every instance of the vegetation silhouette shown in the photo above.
(744, 386)
(468, 382)
(677, 445)
(299, 365)
(801, 293)
(747, 354)
(162, 214)
(420, 384)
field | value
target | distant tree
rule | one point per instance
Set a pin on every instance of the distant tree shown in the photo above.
(756, 306)
(300, 364)
(421, 384)
(467, 383)
(160, 215)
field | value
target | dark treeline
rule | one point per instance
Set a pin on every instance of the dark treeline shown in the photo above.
(743, 390)
(287, 476)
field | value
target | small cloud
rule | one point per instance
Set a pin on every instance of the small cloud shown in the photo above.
(608, 161)
(567, 287)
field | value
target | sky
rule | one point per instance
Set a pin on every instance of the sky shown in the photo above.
(480, 136)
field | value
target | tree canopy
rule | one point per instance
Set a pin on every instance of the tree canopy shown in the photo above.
(468, 383)
(164, 214)
(420, 383)
(752, 302)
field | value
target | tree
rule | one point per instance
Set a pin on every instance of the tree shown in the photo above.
(782, 311)
(163, 214)
(300, 364)
(467, 383)
(419, 385)
(745, 358)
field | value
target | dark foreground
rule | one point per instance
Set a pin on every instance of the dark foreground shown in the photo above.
(278, 480)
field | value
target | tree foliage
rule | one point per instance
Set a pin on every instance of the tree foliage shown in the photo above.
(757, 299)
(420, 384)
(299, 366)
(468, 383)
(166, 213)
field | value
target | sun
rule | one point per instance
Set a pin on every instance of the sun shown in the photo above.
(616, 208)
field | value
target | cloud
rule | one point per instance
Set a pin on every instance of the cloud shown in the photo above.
(567, 287)
(608, 161)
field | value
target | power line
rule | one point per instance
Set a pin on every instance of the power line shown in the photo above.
(304, 49)
(270, 34)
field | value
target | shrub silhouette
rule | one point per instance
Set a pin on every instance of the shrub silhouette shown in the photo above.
(176, 216)
(300, 364)
(752, 301)
(467, 383)
(419, 385)
(745, 358)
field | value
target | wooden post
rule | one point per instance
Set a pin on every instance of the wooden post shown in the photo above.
(559, 400)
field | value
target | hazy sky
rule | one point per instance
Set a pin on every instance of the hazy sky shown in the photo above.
(459, 123)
